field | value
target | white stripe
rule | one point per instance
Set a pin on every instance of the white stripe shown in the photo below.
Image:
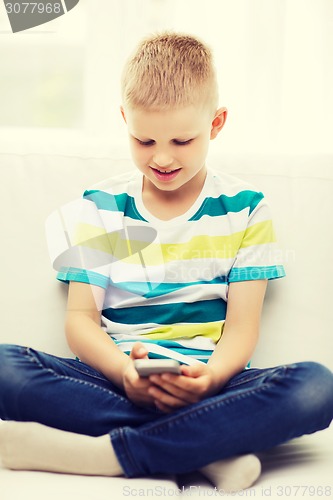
(163, 351)
(185, 271)
(259, 255)
(200, 343)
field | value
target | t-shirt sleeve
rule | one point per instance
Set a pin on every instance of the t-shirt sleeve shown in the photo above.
(79, 245)
(258, 256)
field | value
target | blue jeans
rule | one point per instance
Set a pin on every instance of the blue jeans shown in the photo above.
(256, 410)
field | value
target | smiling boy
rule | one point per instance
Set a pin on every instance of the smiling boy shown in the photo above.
(170, 148)
(99, 416)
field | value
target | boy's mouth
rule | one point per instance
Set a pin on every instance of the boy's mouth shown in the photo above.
(165, 175)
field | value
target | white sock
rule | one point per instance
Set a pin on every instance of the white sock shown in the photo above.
(33, 446)
(233, 474)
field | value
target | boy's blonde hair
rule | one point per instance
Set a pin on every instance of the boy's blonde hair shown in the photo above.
(170, 70)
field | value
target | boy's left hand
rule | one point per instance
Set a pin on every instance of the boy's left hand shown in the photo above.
(171, 392)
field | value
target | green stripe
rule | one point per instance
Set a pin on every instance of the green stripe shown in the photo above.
(223, 204)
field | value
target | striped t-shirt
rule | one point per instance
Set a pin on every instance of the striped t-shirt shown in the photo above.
(166, 282)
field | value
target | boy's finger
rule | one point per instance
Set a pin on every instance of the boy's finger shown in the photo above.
(165, 398)
(194, 371)
(138, 351)
(182, 391)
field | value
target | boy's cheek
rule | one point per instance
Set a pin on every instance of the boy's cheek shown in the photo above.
(139, 152)
(138, 155)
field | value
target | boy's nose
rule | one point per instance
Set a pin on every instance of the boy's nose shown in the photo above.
(162, 159)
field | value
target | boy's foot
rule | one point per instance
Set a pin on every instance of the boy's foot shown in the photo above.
(233, 474)
(33, 446)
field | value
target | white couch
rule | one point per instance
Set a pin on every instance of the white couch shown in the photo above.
(296, 321)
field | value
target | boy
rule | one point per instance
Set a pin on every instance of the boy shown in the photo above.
(189, 255)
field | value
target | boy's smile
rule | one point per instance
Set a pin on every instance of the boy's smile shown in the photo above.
(170, 147)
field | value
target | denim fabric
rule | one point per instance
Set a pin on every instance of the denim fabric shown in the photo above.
(256, 410)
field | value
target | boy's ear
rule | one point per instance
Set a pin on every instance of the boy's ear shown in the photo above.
(123, 113)
(218, 122)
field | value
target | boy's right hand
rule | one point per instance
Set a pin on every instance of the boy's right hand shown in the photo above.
(136, 387)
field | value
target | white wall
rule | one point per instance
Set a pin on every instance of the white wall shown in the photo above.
(59, 85)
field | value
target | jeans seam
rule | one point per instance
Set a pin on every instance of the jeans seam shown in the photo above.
(205, 405)
(156, 427)
(259, 375)
(241, 382)
(63, 362)
(127, 455)
(34, 359)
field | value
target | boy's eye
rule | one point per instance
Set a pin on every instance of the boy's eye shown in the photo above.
(182, 143)
(145, 143)
(175, 141)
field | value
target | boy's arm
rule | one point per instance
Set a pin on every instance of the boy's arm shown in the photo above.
(86, 338)
(94, 347)
(231, 355)
(241, 329)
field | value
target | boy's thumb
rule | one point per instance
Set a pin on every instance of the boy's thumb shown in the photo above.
(193, 370)
(138, 351)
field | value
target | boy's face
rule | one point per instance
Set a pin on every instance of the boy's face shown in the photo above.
(170, 147)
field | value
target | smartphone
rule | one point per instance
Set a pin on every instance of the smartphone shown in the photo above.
(146, 367)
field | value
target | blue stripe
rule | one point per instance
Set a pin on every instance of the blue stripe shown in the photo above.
(67, 274)
(256, 273)
(223, 204)
(151, 289)
(114, 203)
(167, 314)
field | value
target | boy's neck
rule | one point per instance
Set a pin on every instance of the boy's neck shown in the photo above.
(165, 204)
